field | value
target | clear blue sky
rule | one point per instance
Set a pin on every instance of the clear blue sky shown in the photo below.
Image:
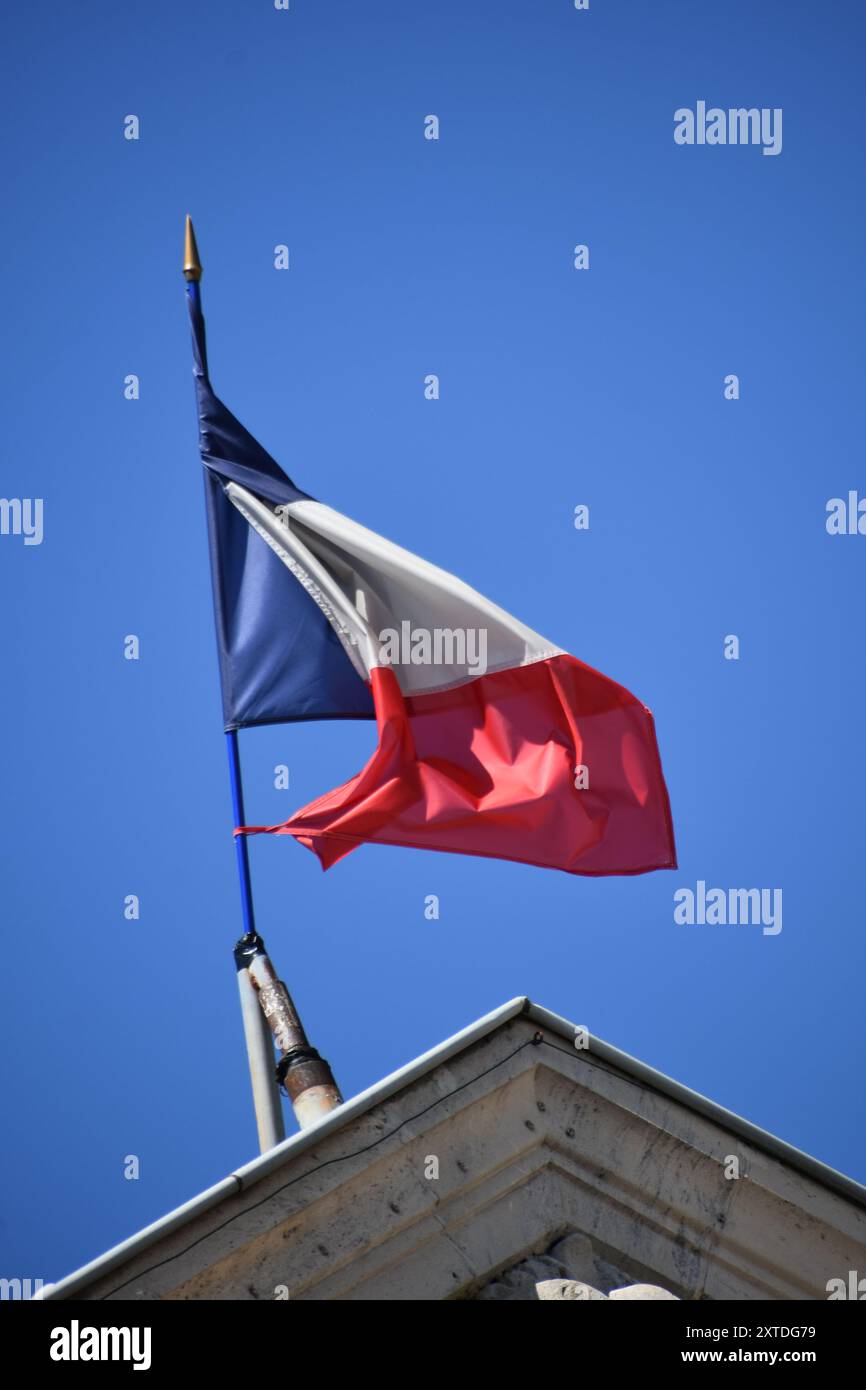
(558, 387)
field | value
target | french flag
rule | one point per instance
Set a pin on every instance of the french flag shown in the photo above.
(491, 740)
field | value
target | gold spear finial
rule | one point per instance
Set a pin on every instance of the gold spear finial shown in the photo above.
(191, 262)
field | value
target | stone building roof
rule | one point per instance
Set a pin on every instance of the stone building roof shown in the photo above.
(504, 1162)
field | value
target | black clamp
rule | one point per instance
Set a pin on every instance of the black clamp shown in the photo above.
(295, 1057)
(247, 949)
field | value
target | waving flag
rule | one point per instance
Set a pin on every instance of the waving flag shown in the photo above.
(491, 739)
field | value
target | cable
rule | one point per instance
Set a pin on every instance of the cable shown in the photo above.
(534, 1041)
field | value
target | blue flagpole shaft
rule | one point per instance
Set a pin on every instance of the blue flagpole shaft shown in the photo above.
(241, 846)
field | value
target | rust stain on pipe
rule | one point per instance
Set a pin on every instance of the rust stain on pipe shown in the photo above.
(306, 1076)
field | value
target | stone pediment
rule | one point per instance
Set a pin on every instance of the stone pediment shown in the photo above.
(508, 1145)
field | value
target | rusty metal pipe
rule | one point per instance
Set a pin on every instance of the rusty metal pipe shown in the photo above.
(305, 1075)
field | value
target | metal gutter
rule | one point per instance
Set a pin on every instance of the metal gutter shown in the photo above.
(246, 1176)
(693, 1100)
(290, 1148)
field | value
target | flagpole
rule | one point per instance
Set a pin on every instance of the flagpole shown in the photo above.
(257, 1035)
(269, 1015)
